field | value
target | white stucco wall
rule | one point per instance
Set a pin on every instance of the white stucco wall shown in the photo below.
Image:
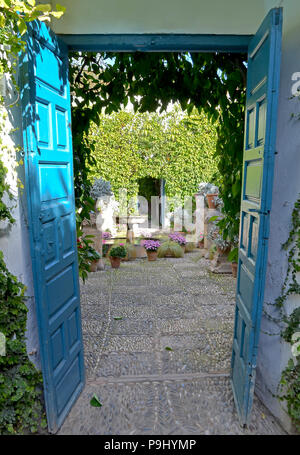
(274, 353)
(157, 16)
(14, 239)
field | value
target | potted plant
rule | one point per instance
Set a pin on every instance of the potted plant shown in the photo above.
(170, 249)
(116, 253)
(151, 246)
(88, 257)
(223, 246)
(178, 238)
(233, 257)
(210, 192)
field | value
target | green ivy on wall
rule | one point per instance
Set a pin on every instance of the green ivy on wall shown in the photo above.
(172, 146)
(21, 407)
(290, 379)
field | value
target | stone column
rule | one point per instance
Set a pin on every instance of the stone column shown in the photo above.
(99, 249)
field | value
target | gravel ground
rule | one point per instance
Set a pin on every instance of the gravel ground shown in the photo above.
(144, 388)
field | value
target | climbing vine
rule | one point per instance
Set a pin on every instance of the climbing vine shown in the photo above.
(14, 16)
(21, 406)
(21, 402)
(292, 245)
(213, 83)
(290, 380)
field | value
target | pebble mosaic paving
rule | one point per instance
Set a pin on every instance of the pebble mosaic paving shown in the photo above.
(144, 388)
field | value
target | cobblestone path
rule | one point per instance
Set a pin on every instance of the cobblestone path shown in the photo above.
(129, 317)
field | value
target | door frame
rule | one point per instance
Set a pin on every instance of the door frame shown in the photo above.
(157, 42)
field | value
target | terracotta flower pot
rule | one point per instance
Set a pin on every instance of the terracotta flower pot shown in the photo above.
(115, 262)
(234, 269)
(152, 255)
(201, 244)
(211, 200)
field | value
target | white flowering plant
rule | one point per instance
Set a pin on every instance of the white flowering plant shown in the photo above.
(205, 188)
(100, 188)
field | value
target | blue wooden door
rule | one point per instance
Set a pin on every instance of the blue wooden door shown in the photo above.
(259, 150)
(50, 199)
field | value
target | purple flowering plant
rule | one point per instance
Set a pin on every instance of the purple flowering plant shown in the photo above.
(151, 245)
(178, 238)
(106, 235)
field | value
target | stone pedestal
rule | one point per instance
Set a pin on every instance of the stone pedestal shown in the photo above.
(208, 214)
(130, 235)
(98, 248)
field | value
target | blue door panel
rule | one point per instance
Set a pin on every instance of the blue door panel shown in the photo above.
(259, 151)
(50, 199)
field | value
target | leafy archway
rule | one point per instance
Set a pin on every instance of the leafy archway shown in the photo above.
(214, 83)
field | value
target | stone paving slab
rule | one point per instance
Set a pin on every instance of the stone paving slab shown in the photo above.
(209, 341)
(93, 326)
(219, 311)
(196, 360)
(129, 298)
(93, 343)
(178, 326)
(117, 364)
(203, 286)
(132, 327)
(99, 299)
(129, 343)
(95, 288)
(144, 388)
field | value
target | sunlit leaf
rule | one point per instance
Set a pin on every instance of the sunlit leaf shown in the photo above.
(60, 8)
(22, 26)
(95, 402)
(44, 8)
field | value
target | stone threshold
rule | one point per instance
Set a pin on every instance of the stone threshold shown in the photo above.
(156, 378)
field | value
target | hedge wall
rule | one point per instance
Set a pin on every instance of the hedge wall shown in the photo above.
(175, 146)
